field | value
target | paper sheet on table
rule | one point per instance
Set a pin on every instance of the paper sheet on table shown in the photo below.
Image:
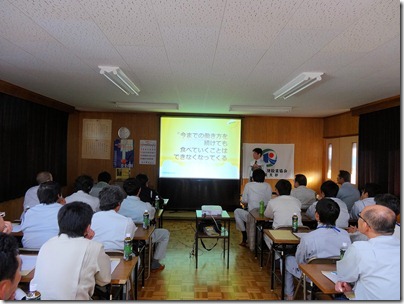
(114, 263)
(332, 275)
(28, 263)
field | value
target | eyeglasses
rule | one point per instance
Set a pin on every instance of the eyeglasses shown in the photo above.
(359, 215)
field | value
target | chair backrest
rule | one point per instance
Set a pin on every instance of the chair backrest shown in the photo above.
(28, 250)
(299, 228)
(114, 252)
(329, 260)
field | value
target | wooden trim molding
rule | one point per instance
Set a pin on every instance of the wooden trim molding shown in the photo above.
(376, 106)
(16, 91)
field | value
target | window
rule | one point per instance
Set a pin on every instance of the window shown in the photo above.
(354, 163)
(329, 160)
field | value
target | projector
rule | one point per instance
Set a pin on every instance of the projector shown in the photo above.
(212, 210)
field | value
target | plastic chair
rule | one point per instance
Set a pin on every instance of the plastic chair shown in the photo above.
(315, 260)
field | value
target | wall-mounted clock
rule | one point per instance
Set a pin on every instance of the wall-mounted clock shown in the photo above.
(123, 133)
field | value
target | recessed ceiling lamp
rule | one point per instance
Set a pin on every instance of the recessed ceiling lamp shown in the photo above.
(259, 109)
(118, 78)
(147, 106)
(299, 83)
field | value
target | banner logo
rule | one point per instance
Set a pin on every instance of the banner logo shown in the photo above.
(270, 157)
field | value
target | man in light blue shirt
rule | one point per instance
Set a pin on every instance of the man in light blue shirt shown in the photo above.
(347, 192)
(40, 222)
(372, 268)
(324, 242)
(134, 208)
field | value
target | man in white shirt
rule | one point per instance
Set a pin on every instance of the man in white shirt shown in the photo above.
(282, 208)
(109, 226)
(31, 196)
(254, 192)
(302, 193)
(257, 162)
(83, 185)
(70, 264)
(367, 199)
(134, 208)
(373, 266)
(329, 189)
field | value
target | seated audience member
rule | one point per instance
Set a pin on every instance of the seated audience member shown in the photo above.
(109, 226)
(31, 196)
(324, 242)
(147, 194)
(254, 192)
(305, 195)
(367, 199)
(329, 189)
(282, 208)
(70, 264)
(5, 226)
(388, 200)
(372, 268)
(103, 181)
(40, 222)
(134, 208)
(82, 186)
(347, 192)
(10, 266)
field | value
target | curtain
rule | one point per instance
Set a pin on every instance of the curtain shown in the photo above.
(379, 149)
(33, 138)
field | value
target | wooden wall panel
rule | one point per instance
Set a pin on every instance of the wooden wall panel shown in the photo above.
(141, 125)
(341, 125)
(305, 133)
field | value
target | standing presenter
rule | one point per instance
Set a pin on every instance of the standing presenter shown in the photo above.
(257, 162)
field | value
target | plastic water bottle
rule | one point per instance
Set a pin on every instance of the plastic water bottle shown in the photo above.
(295, 223)
(127, 248)
(33, 294)
(262, 207)
(146, 220)
(344, 247)
(157, 202)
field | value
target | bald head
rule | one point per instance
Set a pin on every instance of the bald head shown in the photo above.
(380, 218)
(43, 177)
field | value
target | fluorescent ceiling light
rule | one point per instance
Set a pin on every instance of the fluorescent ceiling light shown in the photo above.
(147, 105)
(118, 78)
(259, 109)
(296, 85)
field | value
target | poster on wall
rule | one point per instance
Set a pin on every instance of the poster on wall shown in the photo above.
(147, 152)
(123, 153)
(96, 139)
(279, 159)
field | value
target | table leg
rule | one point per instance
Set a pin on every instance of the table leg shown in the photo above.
(283, 271)
(228, 244)
(261, 246)
(256, 239)
(196, 248)
(143, 265)
(304, 286)
(272, 268)
(150, 256)
(135, 283)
